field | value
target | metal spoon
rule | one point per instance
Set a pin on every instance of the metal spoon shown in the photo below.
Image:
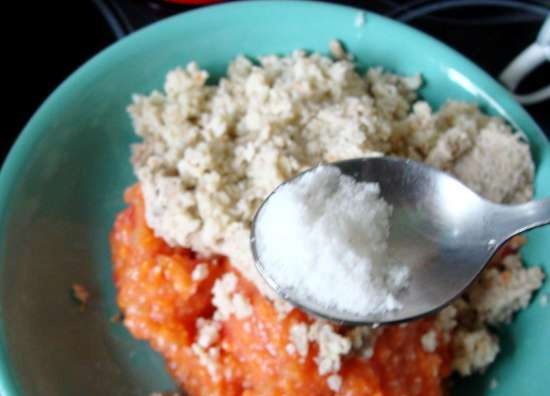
(440, 228)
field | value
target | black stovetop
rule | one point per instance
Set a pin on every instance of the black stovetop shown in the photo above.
(54, 38)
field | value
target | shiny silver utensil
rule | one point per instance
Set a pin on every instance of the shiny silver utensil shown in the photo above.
(443, 231)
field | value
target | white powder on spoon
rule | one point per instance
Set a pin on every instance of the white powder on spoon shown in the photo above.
(324, 237)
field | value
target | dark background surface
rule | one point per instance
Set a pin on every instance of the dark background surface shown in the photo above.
(47, 40)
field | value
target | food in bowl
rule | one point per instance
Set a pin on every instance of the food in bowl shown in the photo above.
(210, 154)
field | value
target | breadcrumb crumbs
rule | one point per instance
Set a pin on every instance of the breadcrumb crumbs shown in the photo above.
(299, 338)
(362, 340)
(208, 332)
(334, 382)
(429, 341)
(227, 300)
(200, 272)
(209, 358)
(474, 350)
(337, 50)
(332, 346)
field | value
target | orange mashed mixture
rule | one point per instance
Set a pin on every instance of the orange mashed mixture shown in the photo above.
(161, 304)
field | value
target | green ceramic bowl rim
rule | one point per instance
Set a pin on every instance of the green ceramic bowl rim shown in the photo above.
(15, 160)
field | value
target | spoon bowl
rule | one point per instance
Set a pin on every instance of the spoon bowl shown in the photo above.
(443, 231)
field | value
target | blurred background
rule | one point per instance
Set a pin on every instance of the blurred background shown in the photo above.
(48, 40)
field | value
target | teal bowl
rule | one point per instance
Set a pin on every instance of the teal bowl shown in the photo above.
(62, 184)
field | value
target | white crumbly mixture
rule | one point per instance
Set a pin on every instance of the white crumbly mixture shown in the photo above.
(208, 332)
(227, 300)
(332, 346)
(205, 348)
(299, 340)
(334, 382)
(429, 341)
(362, 340)
(496, 297)
(209, 358)
(210, 154)
(336, 49)
(200, 272)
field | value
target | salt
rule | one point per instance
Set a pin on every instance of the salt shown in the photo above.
(323, 237)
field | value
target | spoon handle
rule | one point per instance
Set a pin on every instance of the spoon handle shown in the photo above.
(516, 219)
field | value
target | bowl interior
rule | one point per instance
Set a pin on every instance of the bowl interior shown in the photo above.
(62, 185)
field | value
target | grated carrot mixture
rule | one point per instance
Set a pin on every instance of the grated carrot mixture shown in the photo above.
(162, 302)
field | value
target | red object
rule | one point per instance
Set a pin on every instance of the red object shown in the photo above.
(193, 2)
